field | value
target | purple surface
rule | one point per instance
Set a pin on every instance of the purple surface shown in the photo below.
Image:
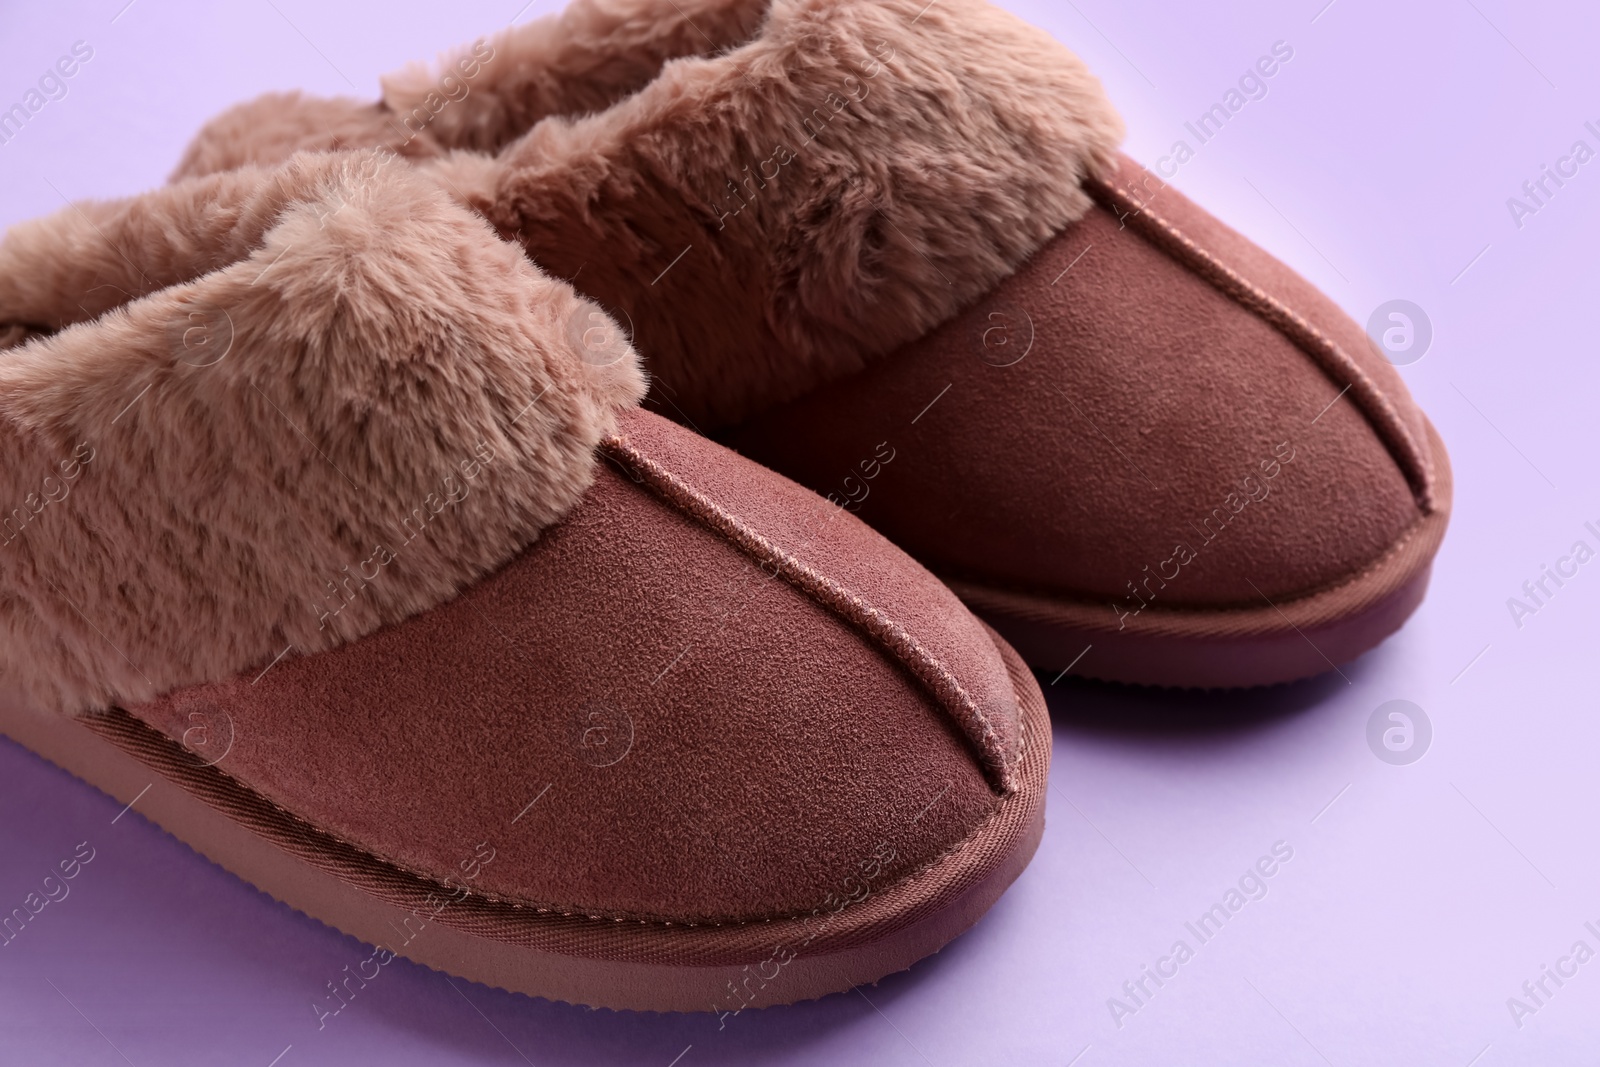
(1420, 897)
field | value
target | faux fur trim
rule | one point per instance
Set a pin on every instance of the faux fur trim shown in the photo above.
(280, 410)
(268, 130)
(773, 214)
(774, 217)
(584, 59)
(484, 95)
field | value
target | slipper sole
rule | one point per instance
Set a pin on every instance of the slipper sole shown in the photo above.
(1227, 648)
(867, 933)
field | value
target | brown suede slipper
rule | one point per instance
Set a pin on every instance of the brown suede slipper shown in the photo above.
(337, 546)
(913, 273)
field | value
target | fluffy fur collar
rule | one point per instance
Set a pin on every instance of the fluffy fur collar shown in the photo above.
(269, 411)
(772, 192)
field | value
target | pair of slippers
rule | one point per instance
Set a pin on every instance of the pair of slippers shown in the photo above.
(343, 537)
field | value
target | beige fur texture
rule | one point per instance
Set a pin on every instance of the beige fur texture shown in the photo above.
(584, 59)
(268, 412)
(484, 95)
(268, 130)
(773, 214)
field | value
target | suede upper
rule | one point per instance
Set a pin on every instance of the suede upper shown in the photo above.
(1159, 411)
(700, 741)
(1324, 330)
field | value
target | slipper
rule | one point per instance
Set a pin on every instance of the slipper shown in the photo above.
(890, 250)
(337, 545)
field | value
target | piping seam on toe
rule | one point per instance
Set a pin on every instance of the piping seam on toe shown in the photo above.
(864, 616)
(1391, 428)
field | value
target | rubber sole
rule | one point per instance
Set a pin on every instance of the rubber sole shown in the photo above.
(597, 963)
(1231, 648)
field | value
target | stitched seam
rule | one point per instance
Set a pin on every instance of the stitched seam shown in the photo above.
(1247, 293)
(853, 608)
(166, 753)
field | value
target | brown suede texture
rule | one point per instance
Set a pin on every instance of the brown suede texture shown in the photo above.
(1265, 271)
(773, 746)
(1144, 411)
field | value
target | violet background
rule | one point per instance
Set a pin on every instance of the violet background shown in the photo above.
(1416, 903)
